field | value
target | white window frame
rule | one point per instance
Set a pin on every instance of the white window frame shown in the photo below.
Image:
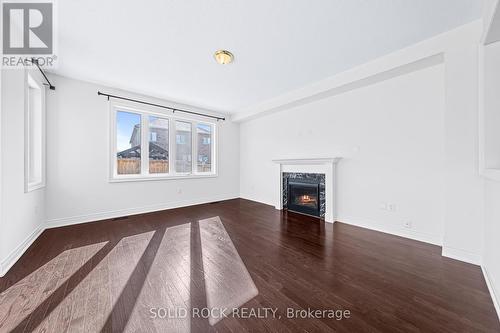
(31, 79)
(144, 112)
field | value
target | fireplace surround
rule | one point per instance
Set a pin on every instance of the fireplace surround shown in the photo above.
(325, 166)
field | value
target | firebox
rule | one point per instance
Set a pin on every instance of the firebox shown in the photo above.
(304, 197)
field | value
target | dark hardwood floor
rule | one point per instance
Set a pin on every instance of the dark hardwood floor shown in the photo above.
(124, 274)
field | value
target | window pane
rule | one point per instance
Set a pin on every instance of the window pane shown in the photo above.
(35, 134)
(204, 138)
(158, 145)
(128, 143)
(183, 146)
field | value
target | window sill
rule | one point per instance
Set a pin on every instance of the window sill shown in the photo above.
(34, 186)
(153, 178)
(493, 174)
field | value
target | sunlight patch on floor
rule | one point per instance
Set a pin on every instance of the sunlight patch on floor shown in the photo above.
(227, 281)
(51, 275)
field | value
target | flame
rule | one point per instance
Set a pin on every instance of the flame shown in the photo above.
(307, 199)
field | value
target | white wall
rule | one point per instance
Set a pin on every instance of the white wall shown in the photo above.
(390, 136)
(22, 214)
(78, 189)
(463, 233)
(491, 253)
(2, 270)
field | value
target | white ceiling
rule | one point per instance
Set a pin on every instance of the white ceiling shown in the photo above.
(164, 48)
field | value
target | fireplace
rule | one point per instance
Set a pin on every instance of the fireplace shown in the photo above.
(311, 171)
(303, 197)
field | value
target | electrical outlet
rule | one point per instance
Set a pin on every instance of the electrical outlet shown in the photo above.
(407, 224)
(391, 207)
(179, 191)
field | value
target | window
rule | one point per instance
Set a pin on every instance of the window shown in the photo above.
(204, 135)
(158, 145)
(128, 143)
(490, 113)
(34, 135)
(175, 147)
(183, 149)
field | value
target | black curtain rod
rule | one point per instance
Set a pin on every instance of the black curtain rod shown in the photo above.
(160, 106)
(35, 61)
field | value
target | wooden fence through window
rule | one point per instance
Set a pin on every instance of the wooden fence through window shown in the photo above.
(131, 166)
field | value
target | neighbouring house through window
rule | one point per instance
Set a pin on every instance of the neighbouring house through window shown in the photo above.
(158, 145)
(204, 160)
(183, 163)
(128, 143)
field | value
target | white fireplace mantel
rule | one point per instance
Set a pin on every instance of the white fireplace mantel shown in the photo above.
(326, 166)
(310, 161)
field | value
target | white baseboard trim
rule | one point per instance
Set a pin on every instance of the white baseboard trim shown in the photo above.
(491, 289)
(250, 198)
(14, 256)
(65, 221)
(462, 255)
(411, 234)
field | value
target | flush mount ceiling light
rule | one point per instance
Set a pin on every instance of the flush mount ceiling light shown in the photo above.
(223, 57)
